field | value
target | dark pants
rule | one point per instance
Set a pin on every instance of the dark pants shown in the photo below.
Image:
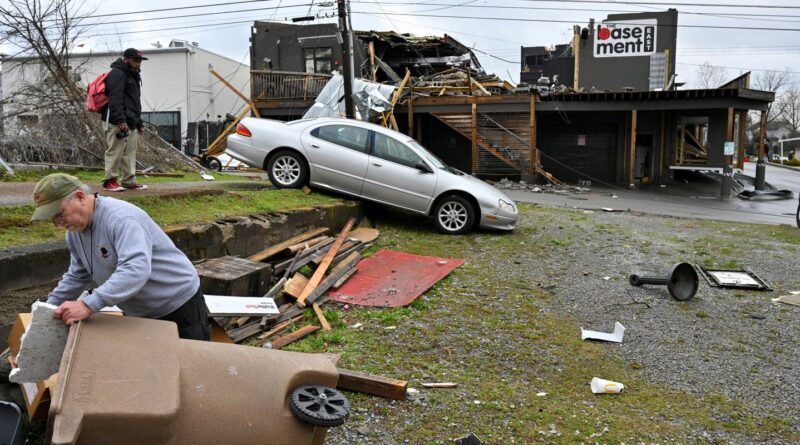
(192, 318)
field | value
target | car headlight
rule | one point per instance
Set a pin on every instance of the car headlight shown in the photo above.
(507, 206)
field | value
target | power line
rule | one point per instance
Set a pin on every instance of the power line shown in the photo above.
(704, 5)
(514, 19)
(738, 68)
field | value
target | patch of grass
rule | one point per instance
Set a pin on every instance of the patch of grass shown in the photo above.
(16, 228)
(97, 176)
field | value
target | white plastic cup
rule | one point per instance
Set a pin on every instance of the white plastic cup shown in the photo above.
(602, 386)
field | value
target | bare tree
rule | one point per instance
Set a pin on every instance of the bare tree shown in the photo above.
(776, 82)
(711, 76)
(41, 34)
(790, 107)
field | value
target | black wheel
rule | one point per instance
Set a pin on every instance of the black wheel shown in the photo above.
(214, 163)
(454, 215)
(319, 405)
(287, 170)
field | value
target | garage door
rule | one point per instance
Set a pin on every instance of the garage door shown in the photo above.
(580, 150)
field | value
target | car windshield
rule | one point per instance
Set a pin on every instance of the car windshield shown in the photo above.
(438, 163)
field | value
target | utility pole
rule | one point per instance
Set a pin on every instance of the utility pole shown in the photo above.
(346, 60)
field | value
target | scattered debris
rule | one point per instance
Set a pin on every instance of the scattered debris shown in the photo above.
(393, 279)
(615, 336)
(610, 210)
(602, 386)
(294, 336)
(541, 394)
(225, 306)
(440, 385)
(793, 298)
(326, 262)
(733, 279)
(682, 281)
(306, 190)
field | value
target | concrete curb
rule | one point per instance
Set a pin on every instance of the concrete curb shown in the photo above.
(27, 266)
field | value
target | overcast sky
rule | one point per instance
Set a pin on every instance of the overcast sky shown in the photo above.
(496, 32)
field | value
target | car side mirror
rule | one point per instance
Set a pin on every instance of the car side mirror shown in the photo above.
(423, 167)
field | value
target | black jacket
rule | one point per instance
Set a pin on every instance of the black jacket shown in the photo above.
(124, 101)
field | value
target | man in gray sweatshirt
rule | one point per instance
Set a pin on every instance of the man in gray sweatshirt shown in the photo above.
(116, 246)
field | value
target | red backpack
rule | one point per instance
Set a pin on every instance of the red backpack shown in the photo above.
(96, 97)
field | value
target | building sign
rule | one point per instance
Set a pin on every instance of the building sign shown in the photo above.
(625, 39)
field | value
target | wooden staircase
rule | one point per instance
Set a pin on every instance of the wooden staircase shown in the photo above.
(462, 123)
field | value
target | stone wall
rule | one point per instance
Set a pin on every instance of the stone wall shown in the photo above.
(27, 266)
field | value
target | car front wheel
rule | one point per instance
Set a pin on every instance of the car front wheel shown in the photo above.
(454, 215)
(287, 169)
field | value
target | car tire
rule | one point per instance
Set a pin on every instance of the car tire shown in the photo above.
(287, 170)
(319, 405)
(454, 215)
(214, 163)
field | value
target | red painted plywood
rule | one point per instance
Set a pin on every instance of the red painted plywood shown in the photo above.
(393, 279)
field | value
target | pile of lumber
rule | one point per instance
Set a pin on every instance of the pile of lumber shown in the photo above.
(460, 82)
(304, 268)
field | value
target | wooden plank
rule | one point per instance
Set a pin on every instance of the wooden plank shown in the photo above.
(410, 106)
(323, 267)
(762, 133)
(321, 317)
(245, 331)
(372, 384)
(344, 278)
(280, 327)
(741, 142)
(440, 385)
(295, 286)
(287, 339)
(306, 244)
(347, 245)
(277, 248)
(334, 276)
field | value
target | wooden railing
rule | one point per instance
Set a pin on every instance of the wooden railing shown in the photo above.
(284, 85)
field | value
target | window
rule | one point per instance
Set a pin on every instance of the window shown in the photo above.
(317, 60)
(351, 137)
(166, 123)
(395, 151)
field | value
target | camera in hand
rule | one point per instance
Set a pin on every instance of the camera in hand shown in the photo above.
(122, 134)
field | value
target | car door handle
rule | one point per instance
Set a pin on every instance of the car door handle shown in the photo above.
(376, 164)
(314, 145)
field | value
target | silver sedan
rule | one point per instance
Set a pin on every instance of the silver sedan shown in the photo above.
(371, 162)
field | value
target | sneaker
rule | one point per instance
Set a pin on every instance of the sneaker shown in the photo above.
(135, 186)
(111, 185)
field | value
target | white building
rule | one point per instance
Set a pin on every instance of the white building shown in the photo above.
(177, 86)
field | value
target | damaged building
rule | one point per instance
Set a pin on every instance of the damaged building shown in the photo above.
(604, 108)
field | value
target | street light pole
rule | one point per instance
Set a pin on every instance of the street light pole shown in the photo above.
(346, 60)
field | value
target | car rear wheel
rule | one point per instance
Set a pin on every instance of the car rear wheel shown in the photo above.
(287, 169)
(454, 215)
(319, 405)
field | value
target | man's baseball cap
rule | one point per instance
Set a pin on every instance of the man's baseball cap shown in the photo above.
(49, 192)
(133, 53)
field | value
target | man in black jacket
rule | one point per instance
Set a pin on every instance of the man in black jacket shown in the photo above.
(123, 122)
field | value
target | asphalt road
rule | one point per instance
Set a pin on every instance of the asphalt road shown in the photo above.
(696, 200)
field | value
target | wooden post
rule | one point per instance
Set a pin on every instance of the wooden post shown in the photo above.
(474, 128)
(533, 148)
(762, 133)
(742, 137)
(683, 141)
(411, 114)
(419, 129)
(576, 49)
(632, 173)
(666, 68)
(372, 67)
(661, 148)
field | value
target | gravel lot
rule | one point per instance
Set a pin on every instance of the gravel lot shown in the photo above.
(723, 347)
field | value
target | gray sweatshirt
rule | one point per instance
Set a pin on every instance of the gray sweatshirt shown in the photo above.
(133, 262)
